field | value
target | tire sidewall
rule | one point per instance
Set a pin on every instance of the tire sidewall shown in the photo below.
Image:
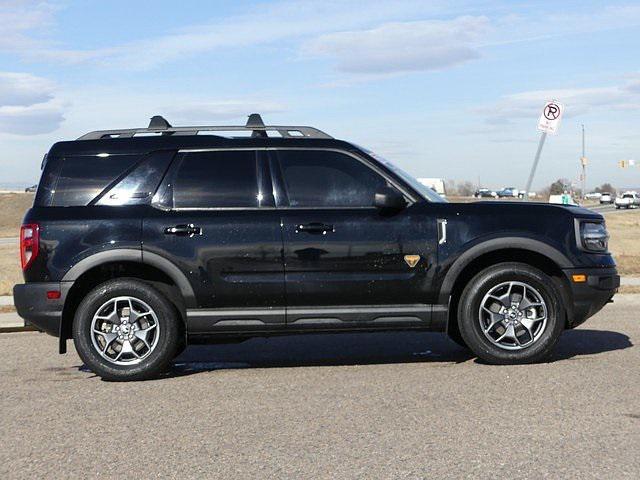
(168, 339)
(470, 305)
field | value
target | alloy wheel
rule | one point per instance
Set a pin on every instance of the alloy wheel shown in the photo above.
(513, 315)
(125, 330)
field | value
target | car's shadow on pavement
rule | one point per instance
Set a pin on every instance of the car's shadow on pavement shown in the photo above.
(365, 349)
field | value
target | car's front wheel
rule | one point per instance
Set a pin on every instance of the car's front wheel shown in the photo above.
(511, 313)
(124, 329)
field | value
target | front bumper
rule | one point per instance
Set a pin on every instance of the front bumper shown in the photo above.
(33, 305)
(589, 297)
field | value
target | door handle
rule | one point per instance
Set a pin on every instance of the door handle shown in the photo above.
(442, 231)
(315, 228)
(183, 230)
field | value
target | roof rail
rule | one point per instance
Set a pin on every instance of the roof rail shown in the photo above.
(159, 125)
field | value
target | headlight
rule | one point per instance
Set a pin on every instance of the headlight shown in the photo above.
(594, 236)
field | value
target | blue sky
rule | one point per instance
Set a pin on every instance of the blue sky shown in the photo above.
(445, 89)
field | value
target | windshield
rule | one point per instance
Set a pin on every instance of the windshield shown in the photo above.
(426, 192)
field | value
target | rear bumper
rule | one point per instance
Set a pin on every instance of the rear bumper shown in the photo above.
(589, 297)
(33, 305)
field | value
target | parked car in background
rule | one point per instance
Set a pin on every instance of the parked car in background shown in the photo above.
(485, 193)
(606, 198)
(31, 189)
(593, 196)
(628, 200)
(508, 192)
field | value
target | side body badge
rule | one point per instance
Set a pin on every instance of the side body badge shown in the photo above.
(412, 260)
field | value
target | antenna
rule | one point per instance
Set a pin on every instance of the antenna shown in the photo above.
(158, 123)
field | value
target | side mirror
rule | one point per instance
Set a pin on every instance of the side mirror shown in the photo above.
(389, 198)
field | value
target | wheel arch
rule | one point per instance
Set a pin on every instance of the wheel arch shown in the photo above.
(523, 250)
(124, 263)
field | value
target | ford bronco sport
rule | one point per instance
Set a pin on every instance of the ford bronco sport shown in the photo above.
(142, 241)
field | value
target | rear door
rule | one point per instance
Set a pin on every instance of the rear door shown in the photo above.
(346, 262)
(215, 219)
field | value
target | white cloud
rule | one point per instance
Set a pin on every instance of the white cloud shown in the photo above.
(403, 46)
(280, 21)
(21, 21)
(24, 89)
(577, 101)
(30, 120)
(28, 105)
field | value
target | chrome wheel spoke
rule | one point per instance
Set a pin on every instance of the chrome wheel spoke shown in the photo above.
(495, 318)
(525, 304)
(108, 339)
(528, 326)
(509, 333)
(142, 335)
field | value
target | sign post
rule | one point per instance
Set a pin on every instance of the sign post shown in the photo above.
(548, 123)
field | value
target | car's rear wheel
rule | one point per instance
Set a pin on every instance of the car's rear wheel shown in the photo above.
(511, 313)
(124, 329)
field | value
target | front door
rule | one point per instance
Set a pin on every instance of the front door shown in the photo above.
(219, 226)
(346, 262)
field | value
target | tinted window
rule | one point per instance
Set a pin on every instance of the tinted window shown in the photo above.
(216, 179)
(82, 178)
(316, 178)
(140, 183)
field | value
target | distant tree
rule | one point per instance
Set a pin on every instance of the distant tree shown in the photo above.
(451, 188)
(466, 189)
(460, 189)
(605, 187)
(558, 187)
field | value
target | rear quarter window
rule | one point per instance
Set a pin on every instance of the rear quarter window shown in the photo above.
(83, 178)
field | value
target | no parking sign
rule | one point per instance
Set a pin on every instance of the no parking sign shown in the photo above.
(550, 119)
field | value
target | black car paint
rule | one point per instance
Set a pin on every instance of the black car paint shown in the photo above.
(251, 270)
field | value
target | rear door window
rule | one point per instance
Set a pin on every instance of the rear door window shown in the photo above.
(217, 179)
(322, 178)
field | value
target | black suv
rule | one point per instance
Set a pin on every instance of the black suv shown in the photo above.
(141, 241)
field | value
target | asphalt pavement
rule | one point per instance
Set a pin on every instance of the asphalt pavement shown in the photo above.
(394, 405)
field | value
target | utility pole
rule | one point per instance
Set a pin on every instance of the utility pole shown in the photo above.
(583, 162)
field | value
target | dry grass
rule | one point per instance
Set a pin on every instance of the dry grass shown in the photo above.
(13, 206)
(625, 241)
(10, 272)
(7, 309)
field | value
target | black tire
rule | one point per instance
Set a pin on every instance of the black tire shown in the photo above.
(480, 285)
(161, 355)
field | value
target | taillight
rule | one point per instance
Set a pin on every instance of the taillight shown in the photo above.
(29, 244)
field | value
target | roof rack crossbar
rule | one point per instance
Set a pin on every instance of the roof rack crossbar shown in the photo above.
(159, 125)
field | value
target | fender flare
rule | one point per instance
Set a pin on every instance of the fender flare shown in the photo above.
(503, 243)
(135, 256)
